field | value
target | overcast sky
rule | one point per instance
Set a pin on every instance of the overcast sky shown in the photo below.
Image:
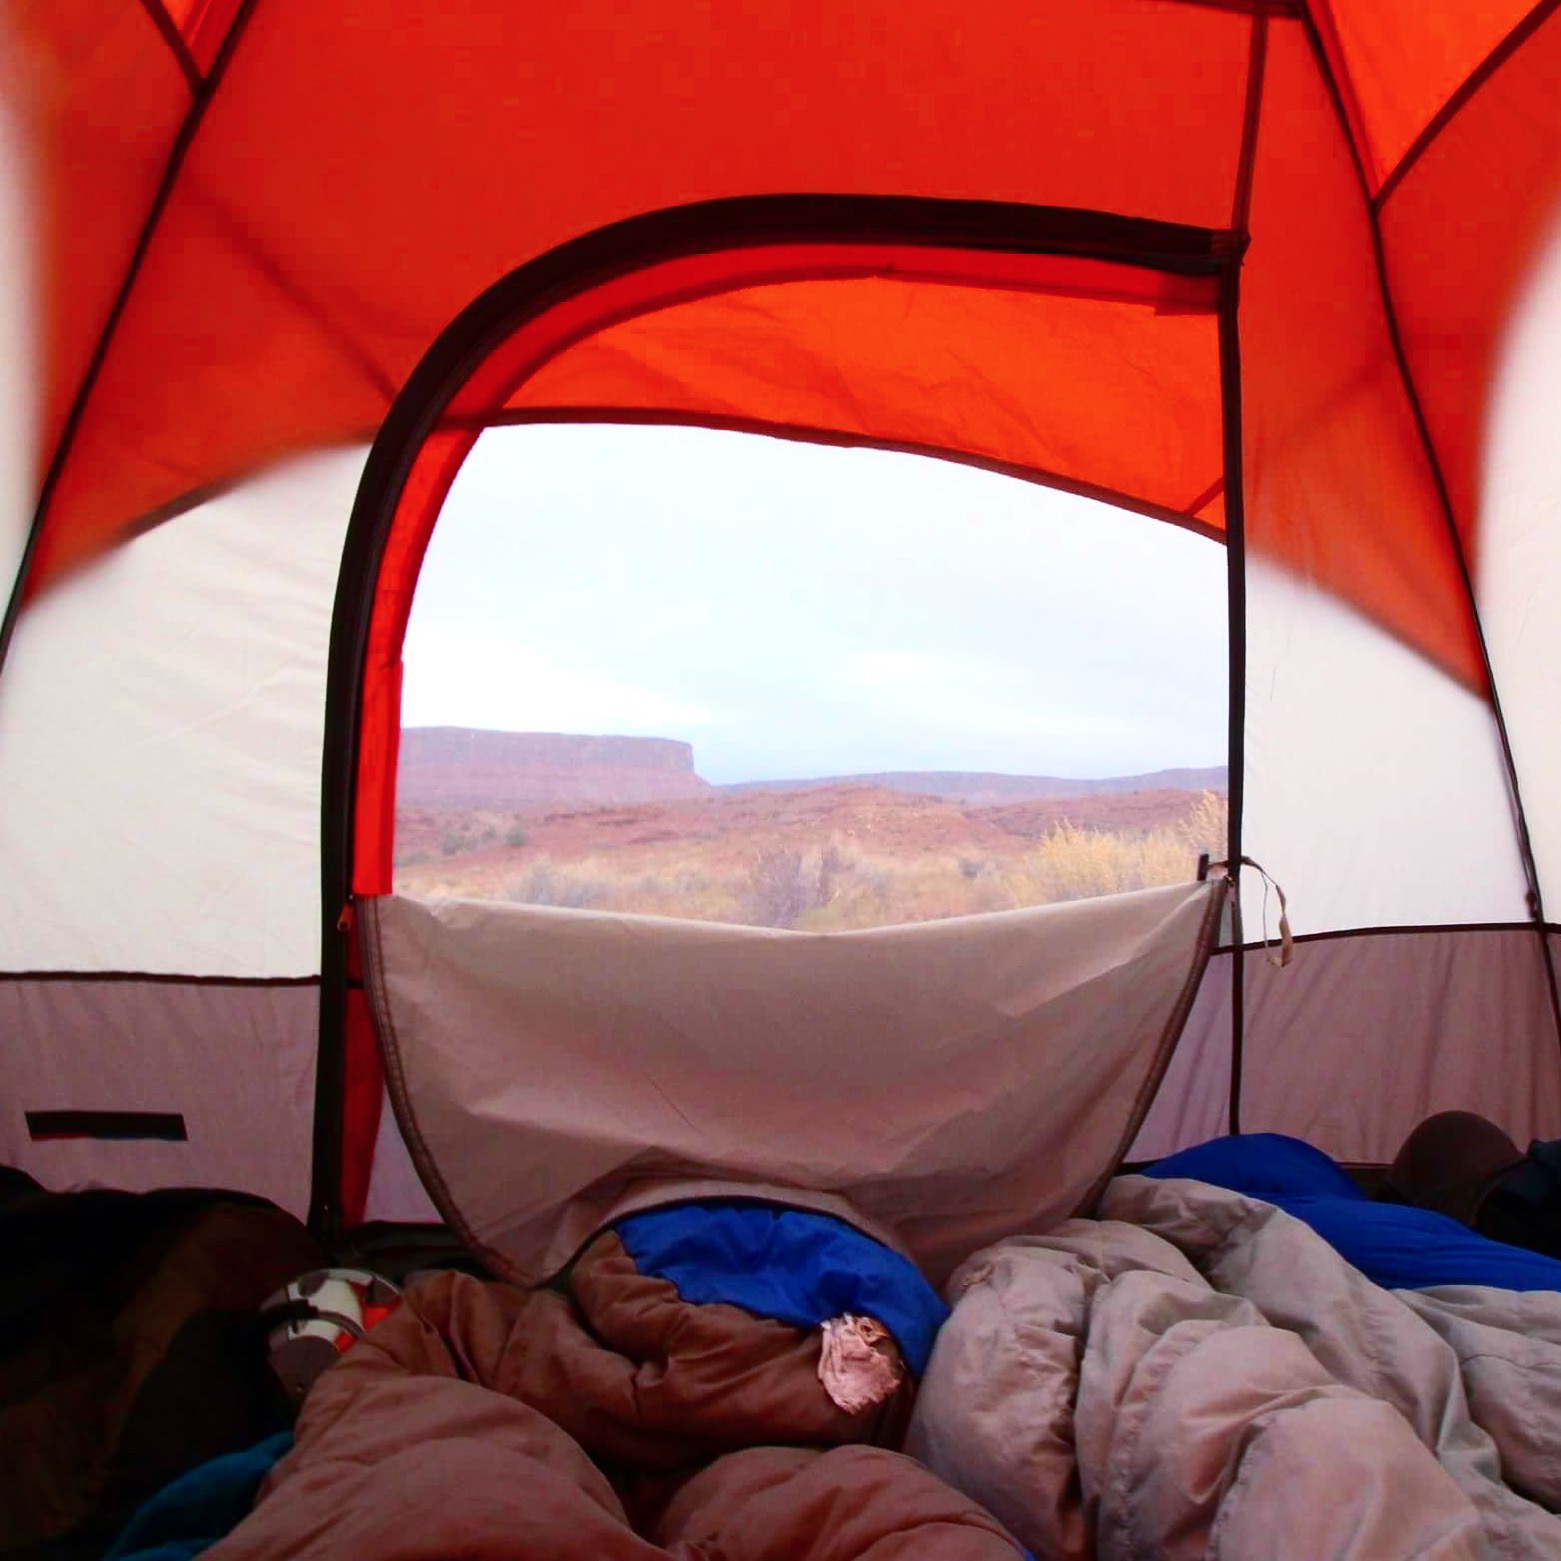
(793, 610)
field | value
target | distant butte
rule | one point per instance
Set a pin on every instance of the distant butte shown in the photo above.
(985, 788)
(464, 767)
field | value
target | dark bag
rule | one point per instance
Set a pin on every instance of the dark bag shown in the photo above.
(131, 1350)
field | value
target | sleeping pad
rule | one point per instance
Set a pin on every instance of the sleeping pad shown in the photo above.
(610, 1416)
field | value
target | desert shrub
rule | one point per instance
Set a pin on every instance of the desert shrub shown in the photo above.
(783, 886)
(453, 840)
(1205, 828)
(549, 883)
(515, 836)
(833, 865)
(777, 890)
(1077, 864)
(835, 885)
(875, 878)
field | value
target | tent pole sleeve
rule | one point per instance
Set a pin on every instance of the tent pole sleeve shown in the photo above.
(1236, 556)
(1236, 600)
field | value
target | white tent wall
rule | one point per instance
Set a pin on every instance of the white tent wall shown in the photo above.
(1518, 570)
(1360, 1037)
(161, 723)
(1376, 797)
(233, 1059)
(1375, 788)
(161, 730)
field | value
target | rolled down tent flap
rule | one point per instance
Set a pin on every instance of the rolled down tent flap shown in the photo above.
(954, 1081)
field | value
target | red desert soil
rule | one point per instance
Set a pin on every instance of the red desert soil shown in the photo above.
(729, 827)
(478, 811)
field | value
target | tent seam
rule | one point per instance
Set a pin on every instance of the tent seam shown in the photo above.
(1340, 87)
(1257, 61)
(178, 154)
(1457, 929)
(159, 978)
(1468, 89)
(272, 269)
(806, 434)
(1536, 904)
(1236, 640)
(168, 31)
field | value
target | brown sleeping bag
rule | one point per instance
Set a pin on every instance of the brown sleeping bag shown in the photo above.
(604, 1418)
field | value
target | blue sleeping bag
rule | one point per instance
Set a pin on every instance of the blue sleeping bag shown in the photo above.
(1398, 1247)
(189, 1516)
(788, 1264)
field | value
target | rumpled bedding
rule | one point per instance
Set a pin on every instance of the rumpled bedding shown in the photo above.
(608, 1417)
(1200, 1373)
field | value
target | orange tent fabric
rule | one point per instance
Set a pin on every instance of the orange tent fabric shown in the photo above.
(1398, 64)
(1107, 394)
(258, 216)
(357, 174)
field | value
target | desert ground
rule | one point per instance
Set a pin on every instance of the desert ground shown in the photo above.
(495, 820)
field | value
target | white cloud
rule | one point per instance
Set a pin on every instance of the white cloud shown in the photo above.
(464, 679)
(986, 703)
(895, 672)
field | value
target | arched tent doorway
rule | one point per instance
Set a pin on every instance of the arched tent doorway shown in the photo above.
(1061, 312)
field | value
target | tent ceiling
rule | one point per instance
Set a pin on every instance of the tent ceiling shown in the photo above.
(1399, 62)
(258, 216)
(360, 172)
(1099, 389)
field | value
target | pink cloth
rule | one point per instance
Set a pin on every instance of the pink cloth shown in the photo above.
(856, 1372)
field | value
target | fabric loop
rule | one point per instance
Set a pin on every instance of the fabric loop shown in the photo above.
(1286, 950)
